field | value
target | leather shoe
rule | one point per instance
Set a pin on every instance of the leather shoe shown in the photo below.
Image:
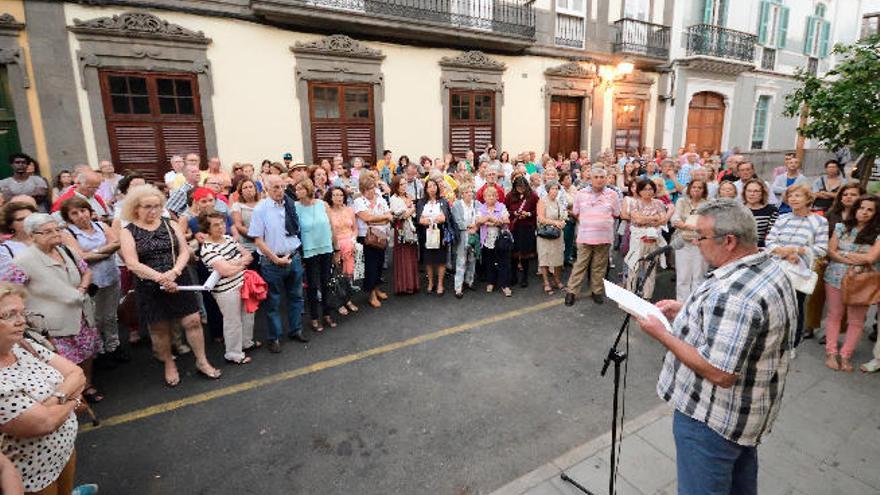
(598, 298)
(569, 299)
(274, 346)
(299, 337)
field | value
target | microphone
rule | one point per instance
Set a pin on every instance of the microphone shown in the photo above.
(675, 243)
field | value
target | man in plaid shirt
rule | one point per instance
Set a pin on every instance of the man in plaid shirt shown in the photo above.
(729, 352)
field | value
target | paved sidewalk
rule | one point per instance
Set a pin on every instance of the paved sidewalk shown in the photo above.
(825, 441)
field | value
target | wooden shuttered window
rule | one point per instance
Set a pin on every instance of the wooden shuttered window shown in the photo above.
(342, 121)
(151, 117)
(471, 121)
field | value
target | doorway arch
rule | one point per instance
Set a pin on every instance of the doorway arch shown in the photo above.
(705, 122)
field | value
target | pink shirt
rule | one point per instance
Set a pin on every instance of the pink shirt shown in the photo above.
(595, 213)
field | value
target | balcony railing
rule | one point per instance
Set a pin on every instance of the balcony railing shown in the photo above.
(768, 59)
(497, 16)
(716, 41)
(569, 31)
(641, 38)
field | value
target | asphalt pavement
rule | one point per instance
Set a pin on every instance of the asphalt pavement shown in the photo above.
(427, 395)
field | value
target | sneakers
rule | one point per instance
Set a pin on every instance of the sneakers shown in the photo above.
(90, 489)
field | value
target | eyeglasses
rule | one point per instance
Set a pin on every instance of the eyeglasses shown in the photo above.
(704, 237)
(151, 207)
(11, 316)
(48, 231)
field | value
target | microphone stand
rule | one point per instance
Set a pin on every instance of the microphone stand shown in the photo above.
(618, 358)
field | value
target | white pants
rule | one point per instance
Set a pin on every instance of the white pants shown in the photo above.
(238, 324)
(690, 270)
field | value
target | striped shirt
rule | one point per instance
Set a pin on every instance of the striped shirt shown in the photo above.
(809, 231)
(765, 217)
(177, 201)
(741, 320)
(212, 252)
(595, 212)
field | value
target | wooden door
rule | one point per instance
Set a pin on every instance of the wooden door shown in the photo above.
(471, 121)
(9, 142)
(629, 116)
(151, 116)
(565, 124)
(342, 121)
(705, 122)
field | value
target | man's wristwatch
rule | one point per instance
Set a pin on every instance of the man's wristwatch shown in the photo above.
(62, 397)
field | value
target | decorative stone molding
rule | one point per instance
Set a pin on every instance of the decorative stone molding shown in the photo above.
(572, 69)
(338, 45)
(10, 23)
(138, 25)
(473, 59)
(636, 85)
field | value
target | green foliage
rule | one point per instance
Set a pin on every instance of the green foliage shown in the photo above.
(844, 104)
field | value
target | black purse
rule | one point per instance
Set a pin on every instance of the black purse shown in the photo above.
(504, 241)
(545, 231)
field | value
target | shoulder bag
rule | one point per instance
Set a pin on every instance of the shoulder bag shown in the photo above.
(377, 237)
(861, 286)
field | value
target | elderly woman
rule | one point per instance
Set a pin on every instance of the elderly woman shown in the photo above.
(405, 254)
(551, 215)
(799, 238)
(373, 219)
(59, 281)
(39, 391)
(522, 206)
(492, 218)
(12, 218)
(96, 243)
(854, 245)
(464, 211)
(155, 250)
(690, 266)
(344, 225)
(434, 218)
(223, 255)
(316, 235)
(647, 216)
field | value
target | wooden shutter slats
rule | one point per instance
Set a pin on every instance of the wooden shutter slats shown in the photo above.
(348, 136)
(470, 134)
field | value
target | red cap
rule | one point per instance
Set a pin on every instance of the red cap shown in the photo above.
(202, 192)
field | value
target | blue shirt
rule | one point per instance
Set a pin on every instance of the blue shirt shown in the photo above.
(314, 227)
(268, 222)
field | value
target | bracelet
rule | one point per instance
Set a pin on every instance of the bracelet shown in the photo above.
(78, 401)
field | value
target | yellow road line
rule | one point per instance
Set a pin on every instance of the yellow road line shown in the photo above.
(312, 368)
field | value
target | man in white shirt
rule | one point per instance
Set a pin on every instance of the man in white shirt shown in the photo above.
(746, 172)
(176, 169)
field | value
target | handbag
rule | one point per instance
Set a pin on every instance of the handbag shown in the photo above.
(546, 231)
(504, 241)
(376, 238)
(802, 280)
(339, 291)
(432, 237)
(861, 287)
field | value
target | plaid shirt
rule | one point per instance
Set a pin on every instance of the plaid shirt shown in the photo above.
(741, 320)
(177, 202)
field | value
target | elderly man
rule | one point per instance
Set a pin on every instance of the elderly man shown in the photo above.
(746, 172)
(415, 188)
(728, 354)
(275, 230)
(176, 204)
(595, 208)
(216, 171)
(491, 181)
(86, 187)
(791, 177)
(174, 177)
(24, 183)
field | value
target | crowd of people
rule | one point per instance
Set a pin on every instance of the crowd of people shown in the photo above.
(199, 254)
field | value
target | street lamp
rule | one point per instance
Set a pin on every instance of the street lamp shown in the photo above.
(625, 67)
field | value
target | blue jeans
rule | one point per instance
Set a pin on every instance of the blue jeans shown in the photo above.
(709, 464)
(283, 279)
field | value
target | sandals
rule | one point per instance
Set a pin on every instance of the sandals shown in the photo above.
(91, 395)
(213, 374)
(846, 365)
(831, 362)
(374, 302)
(490, 288)
(382, 296)
(506, 291)
(351, 307)
(871, 366)
(173, 379)
(548, 290)
(244, 360)
(316, 326)
(253, 347)
(328, 320)
(342, 311)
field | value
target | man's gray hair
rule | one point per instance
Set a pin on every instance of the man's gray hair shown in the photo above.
(598, 171)
(36, 220)
(731, 217)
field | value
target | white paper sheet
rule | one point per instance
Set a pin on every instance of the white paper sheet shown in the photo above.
(208, 285)
(634, 304)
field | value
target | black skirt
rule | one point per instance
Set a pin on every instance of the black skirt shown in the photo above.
(525, 244)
